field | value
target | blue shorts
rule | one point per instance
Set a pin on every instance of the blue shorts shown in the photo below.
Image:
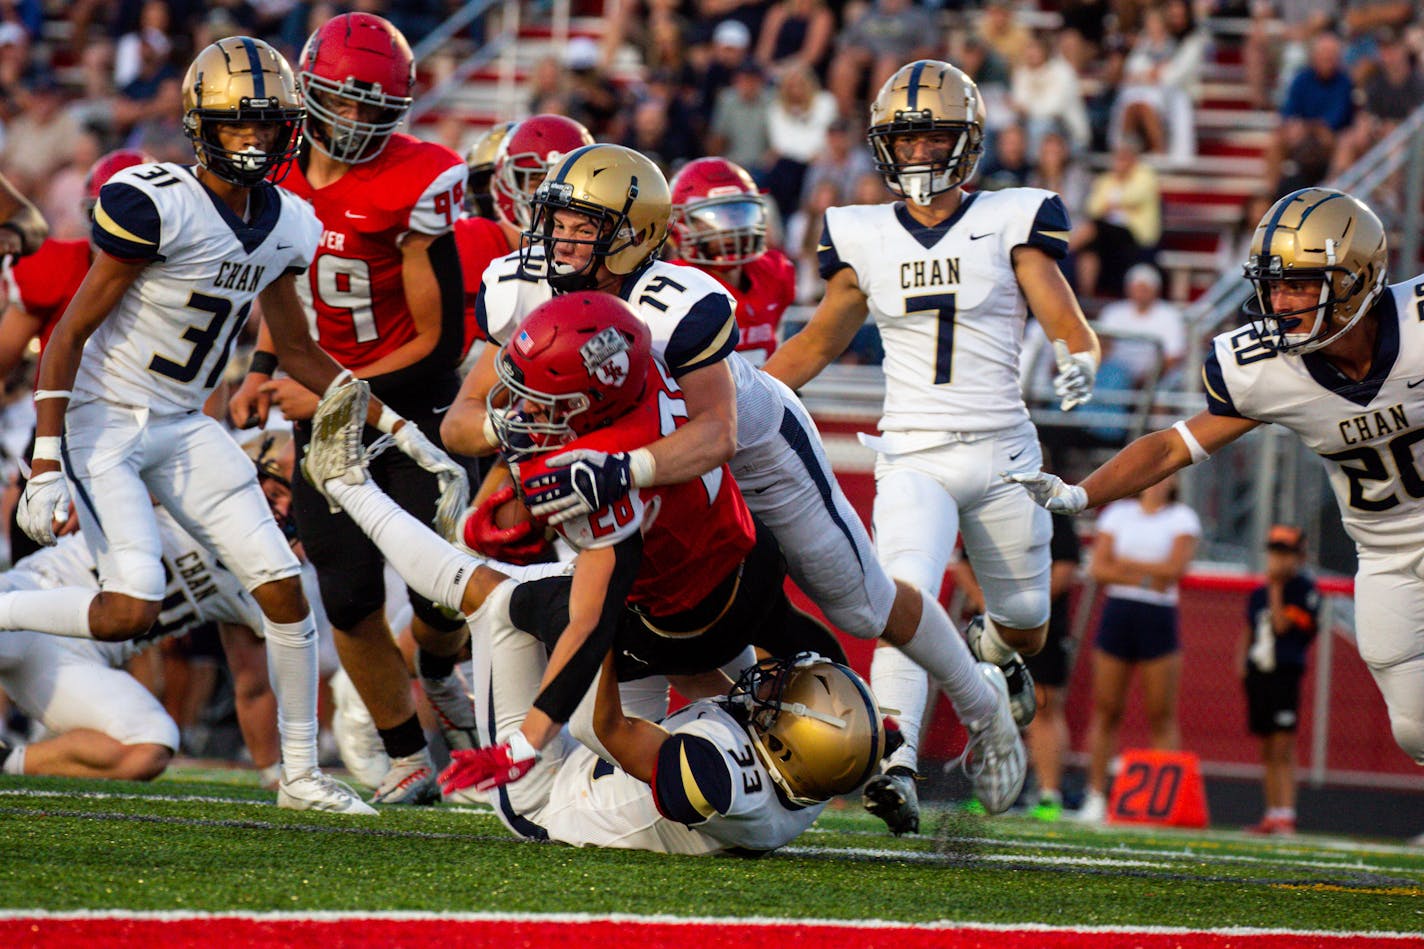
(1134, 631)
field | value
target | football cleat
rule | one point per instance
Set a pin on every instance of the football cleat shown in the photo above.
(1273, 827)
(1022, 700)
(892, 798)
(995, 758)
(450, 698)
(356, 737)
(314, 791)
(335, 452)
(1048, 809)
(1093, 810)
(411, 781)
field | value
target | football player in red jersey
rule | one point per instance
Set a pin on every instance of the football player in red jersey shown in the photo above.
(387, 298)
(719, 222)
(45, 282)
(676, 580)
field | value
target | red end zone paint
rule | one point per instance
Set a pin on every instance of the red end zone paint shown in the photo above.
(218, 932)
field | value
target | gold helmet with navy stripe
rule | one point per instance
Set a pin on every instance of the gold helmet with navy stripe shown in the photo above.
(927, 98)
(480, 162)
(814, 724)
(241, 80)
(623, 191)
(1328, 240)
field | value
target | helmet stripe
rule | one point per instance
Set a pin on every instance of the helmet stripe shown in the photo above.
(914, 100)
(1311, 209)
(259, 81)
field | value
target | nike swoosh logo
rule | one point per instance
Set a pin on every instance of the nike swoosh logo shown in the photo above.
(975, 237)
(355, 217)
(1410, 385)
(1017, 453)
(283, 246)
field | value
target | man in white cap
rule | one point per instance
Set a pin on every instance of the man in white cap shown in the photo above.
(1145, 314)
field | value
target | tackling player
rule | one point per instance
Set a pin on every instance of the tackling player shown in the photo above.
(183, 253)
(599, 219)
(719, 222)
(1332, 352)
(950, 279)
(387, 300)
(46, 281)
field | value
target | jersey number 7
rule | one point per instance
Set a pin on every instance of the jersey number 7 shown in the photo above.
(942, 305)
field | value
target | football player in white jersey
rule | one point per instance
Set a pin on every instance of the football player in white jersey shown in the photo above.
(181, 255)
(950, 279)
(599, 219)
(1334, 354)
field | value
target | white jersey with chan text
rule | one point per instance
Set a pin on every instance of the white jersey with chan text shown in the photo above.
(692, 318)
(166, 343)
(947, 302)
(1370, 432)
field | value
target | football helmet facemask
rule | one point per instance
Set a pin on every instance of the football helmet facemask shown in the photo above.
(240, 80)
(1326, 238)
(814, 723)
(524, 158)
(719, 218)
(356, 62)
(479, 161)
(927, 97)
(621, 192)
(574, 364)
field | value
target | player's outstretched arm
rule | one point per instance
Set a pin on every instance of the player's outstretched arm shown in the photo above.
(1053, 304)
(465, 429)
(633, 742)
(838, 317)
(1141, 464)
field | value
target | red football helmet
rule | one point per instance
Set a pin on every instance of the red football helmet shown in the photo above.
(365, 61)
(525, 157)
(718, 217)
(574, 365)
(104, 169)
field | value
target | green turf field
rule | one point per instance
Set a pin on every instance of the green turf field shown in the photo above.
(214, 841)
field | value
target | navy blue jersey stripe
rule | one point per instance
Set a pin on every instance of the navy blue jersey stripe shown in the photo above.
(521, 824)
(800, 441)
(707, 334)
(78, 485)
(1218, 396)
(259, 81)
(691, 781)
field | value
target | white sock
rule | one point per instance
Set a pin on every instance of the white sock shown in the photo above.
(900, 684)
(292, 666)
(1281, 813)
(426, 562)
(60, 612)
(992, 647)
(15, 761)
(939, 649)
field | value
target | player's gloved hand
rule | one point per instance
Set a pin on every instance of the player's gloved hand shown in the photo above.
(1050, 491)
(520, 543)
(487, 768)
(1076, 374)
(44, 503)
(582, 481)
(453, 481)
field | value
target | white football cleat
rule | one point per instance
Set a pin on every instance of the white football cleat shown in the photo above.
(334, 452)
(999, 760)
(357, 740)
(411, 780)
(314, 791)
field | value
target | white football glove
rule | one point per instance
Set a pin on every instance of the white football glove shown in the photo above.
(44, 503)
(1050, 491)
(453, 481)
(1076, 374)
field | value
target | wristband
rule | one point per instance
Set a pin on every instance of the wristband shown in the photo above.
(520, 748)
(1198, 453)
(46, 448)
(642, 467)
(389, 420)
(491, 437)
(42, 394)
(263, 363)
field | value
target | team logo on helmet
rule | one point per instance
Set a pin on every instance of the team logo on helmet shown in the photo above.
(606, 357)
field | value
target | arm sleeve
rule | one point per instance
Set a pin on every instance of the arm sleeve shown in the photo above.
(126, 223)
(707, 334)
(692, 780)
(563, 694)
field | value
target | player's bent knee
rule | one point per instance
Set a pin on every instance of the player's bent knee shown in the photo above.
(143, 762)
(282, 601)
(348, 615)
(1022, 620)
(119, 618)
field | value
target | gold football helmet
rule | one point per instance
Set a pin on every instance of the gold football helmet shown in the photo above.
(814, 724)
(927, 96)
(480, 162)
(1323, 237)
(242, 80)
(621, 190)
